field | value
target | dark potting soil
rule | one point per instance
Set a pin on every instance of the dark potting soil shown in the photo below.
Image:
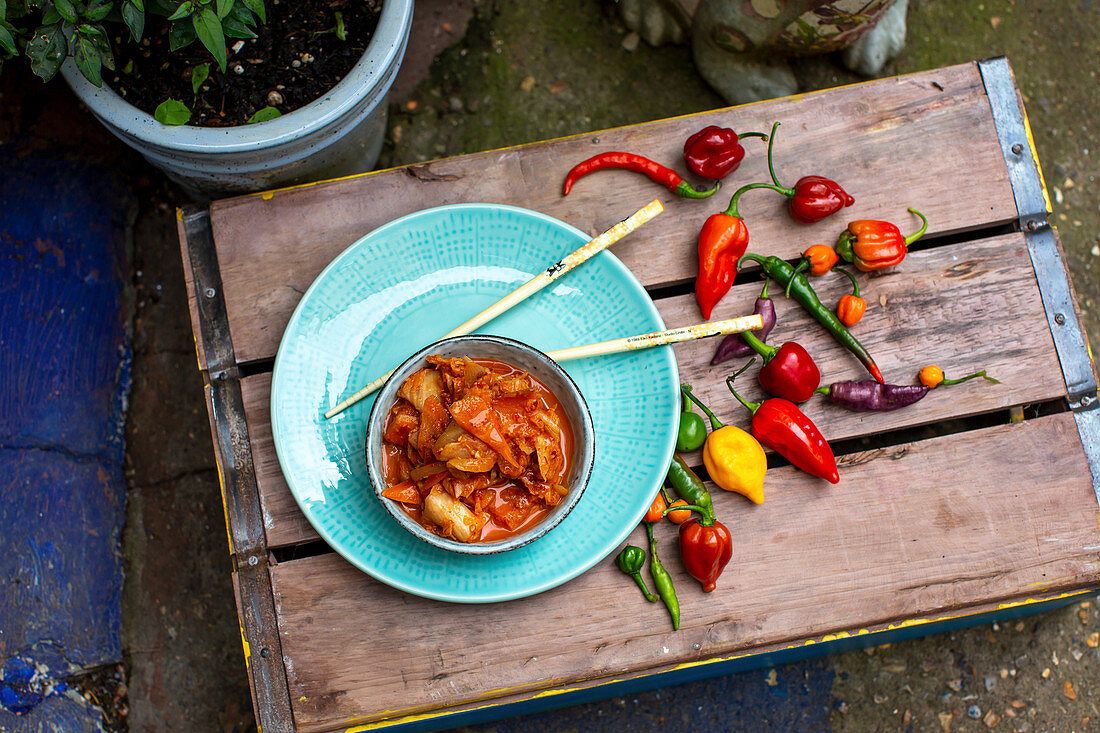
(295, 58)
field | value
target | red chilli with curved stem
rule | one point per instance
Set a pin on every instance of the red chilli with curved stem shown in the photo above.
(780, 425)
(813, 197)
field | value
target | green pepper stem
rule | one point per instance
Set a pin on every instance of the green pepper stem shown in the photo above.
(715, 423)
(762, 135)
(758, 259)
(685, 190)
(732, 209)
(767, 352)
(920, 232)
(826, 390)
(855, 285)
(752, 406)
(981, 374)
(802, 266)
(771, 168)
(764, 290)
(685, 403)
(707, 519)
(645, 589)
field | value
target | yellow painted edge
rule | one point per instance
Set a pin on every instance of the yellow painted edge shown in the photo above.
(689, 665)
(225, 506)
(269, 194)
(1035, 158)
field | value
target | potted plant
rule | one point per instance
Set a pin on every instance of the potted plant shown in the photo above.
(97, 44)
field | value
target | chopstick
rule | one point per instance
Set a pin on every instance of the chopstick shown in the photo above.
(740, 324)
(529, 288)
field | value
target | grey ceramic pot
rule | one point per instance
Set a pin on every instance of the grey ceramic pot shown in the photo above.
(339, 134)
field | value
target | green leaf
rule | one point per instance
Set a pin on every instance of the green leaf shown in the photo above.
(97, 10)
(87, 58)
(51, 16)
(181, 33)
(102, 44)
(209, 30)
(47, 50)
(67, 10)
(257, 7)
(262, 115)
(172, 112)
(224, 6)
(7, 38)
(199, 74)
(235, 29)
(341, 32)
(184, 10)
(134, 17)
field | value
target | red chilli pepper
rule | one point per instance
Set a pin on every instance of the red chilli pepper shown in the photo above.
(851, 308)
(780, 425)
(870, 244)
(715, 152)
(813, 197)
(667, 177)
(723, 239)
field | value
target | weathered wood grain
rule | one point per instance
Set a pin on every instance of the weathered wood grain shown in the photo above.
(892, 143)
(965, 307)
(895, 541)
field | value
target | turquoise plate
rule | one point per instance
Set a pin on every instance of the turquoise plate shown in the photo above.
(408, 283)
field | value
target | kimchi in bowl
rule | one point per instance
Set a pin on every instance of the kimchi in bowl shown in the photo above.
(479, 444)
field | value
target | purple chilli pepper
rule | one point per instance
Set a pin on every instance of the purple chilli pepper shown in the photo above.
(733, 346)
(867, 395)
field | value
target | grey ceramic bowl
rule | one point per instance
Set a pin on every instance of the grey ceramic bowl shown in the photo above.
(519, 355)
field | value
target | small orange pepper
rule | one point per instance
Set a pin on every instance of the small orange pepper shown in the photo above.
(821, 258)
(657, 508)
(932, 376)
(679, 517)
(851, 308)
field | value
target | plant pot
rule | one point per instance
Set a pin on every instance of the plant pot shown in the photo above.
(339, 134)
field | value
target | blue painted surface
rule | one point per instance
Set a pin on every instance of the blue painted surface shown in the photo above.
(65, 359)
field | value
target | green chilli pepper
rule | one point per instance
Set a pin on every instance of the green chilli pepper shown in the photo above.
(692, 432)
(662, 581)
(689, 486)
(630, 561)
(798, 288)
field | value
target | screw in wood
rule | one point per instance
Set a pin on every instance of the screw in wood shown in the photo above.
(1060, 319)
(1017, 149)
(210, 292)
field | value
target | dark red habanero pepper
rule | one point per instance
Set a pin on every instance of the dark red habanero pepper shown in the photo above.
(780, 425)
(813, 197)
(733, 346)
(656, 172)
(722, 240)
(788, 372)
(870, 244)
(715, 152)
(706, 545)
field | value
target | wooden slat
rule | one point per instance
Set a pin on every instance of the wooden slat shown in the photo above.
(892, 143)
(896, 541)
(966, 307)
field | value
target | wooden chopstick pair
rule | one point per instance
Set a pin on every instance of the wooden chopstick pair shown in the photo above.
(555, 271)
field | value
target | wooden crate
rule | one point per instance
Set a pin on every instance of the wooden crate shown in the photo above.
(980, 499)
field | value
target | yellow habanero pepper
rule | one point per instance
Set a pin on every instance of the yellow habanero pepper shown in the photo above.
(736, 462)
(734, 459)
